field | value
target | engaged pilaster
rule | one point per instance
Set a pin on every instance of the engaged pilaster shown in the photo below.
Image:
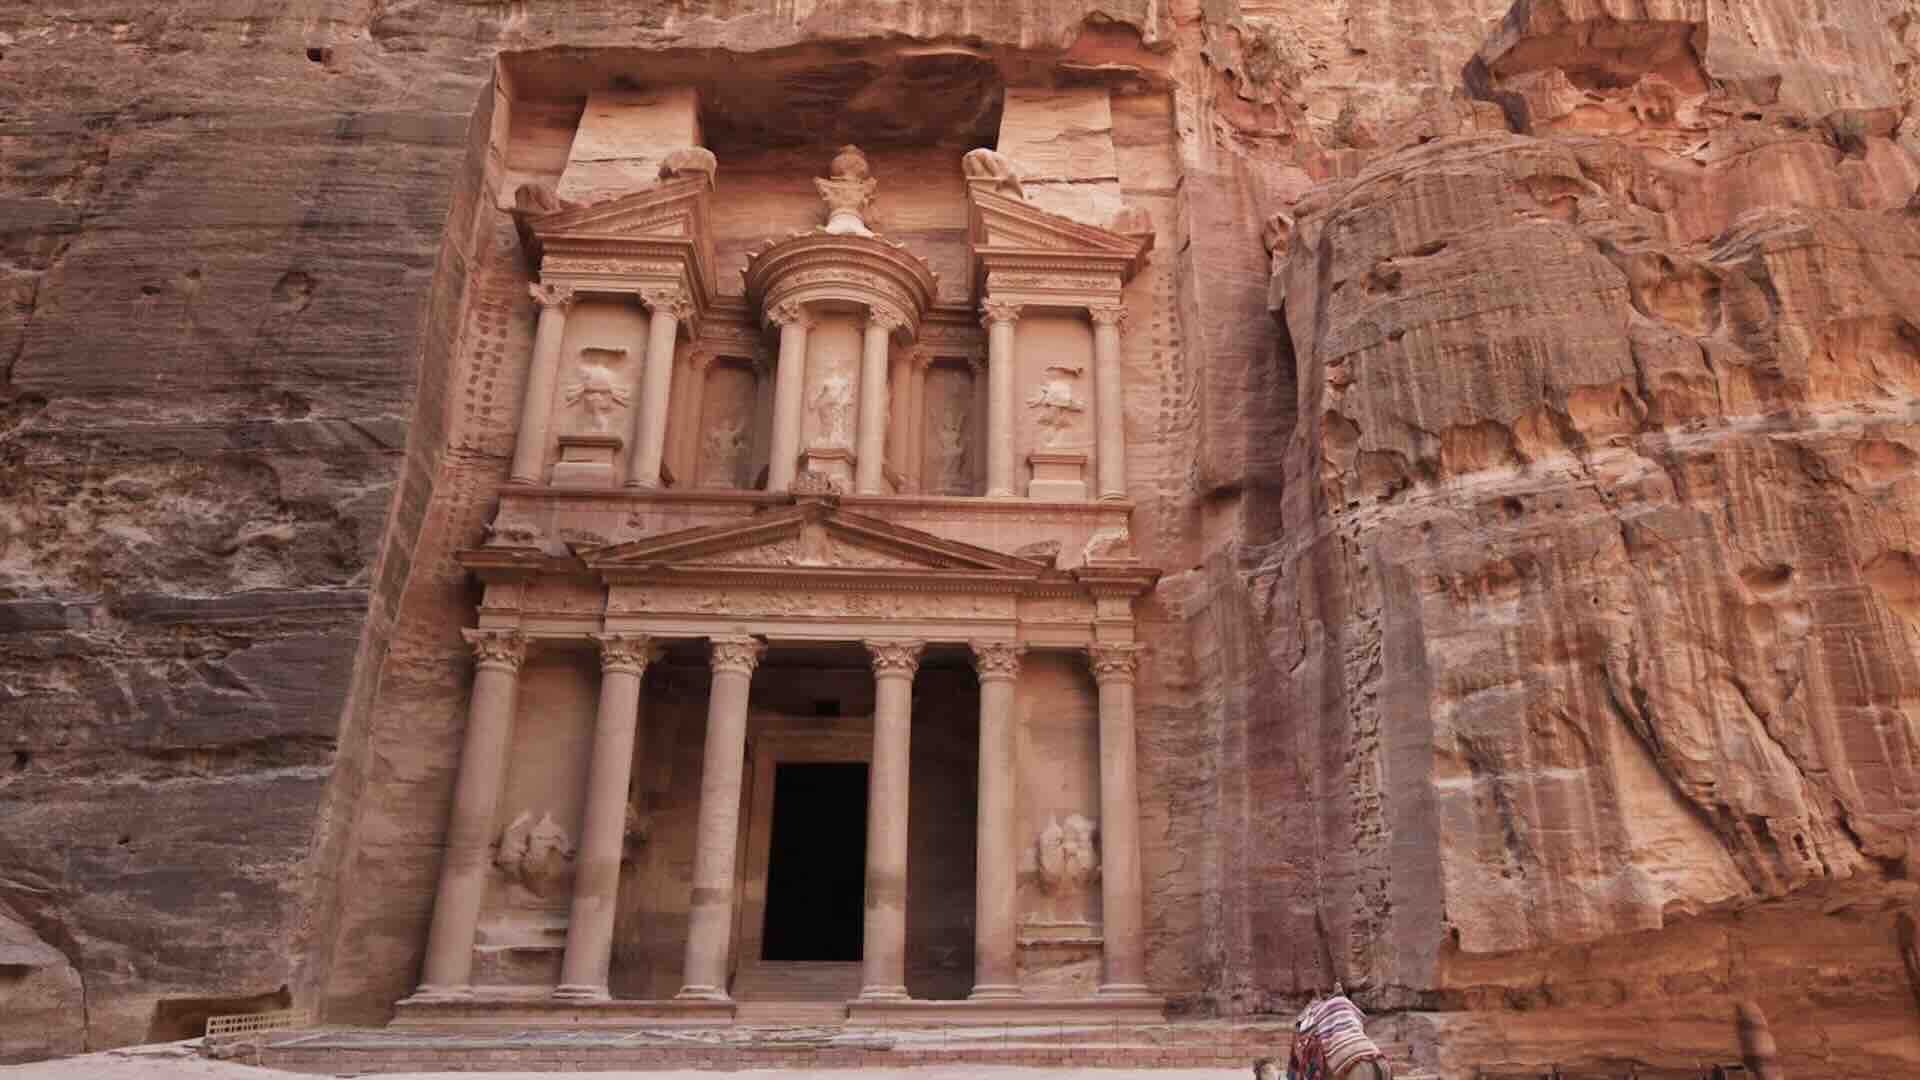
(999, 316)
(789, 386)
(1110, 432)
(596, 881)
(1121, 901)
(995, 967)
(536, 404)
(884, 949)
(710, 913)
(668, 309)
(498, 655)
(870, 452)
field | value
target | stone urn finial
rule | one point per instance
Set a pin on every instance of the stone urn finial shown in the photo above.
(847, 190)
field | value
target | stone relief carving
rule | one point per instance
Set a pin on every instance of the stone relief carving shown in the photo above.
(848, 191)
(727, 420)
(689, 161)
(1108, 544)
(534, 200)
(811, 482)
(536, 855)
(595, 392)
(993, 171)
(953, 464)
(832, 408)
(1069, 862)
(1277, 235)
(1056, 404)
(745, 603)
(1044, 552)
(811, 550)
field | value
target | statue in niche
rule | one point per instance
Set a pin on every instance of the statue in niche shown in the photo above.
(1055, 403)
(955, 471)
(536, 855)
(848, 191)
(1069, 862)
(833, 411)
(724, 442)
(595, 392)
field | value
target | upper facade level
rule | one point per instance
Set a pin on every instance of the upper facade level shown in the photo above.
(839, 360)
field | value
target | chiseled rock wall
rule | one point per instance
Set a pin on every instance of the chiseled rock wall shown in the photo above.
(1537, 645)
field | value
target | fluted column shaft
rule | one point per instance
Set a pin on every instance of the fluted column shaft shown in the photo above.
(789, 385)
(536, 404)
(668, 307)
(717, 832)
(1122, 903)
(476, 798)
(1110, 431)
(999, 318)
(596, 869)
(995, 968)
(870, 449)
(884, 947)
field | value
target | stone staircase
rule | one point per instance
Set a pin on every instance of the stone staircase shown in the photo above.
(794, 994)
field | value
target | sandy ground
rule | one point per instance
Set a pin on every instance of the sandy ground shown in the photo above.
(177, 1061)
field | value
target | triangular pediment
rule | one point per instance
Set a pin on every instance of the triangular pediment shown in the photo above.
(808, 538)
(675, 208)
(1003, 222)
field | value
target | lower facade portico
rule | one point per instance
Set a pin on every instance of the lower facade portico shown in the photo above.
(975, 695)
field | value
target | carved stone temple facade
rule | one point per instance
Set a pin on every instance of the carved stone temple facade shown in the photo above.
(796, 549)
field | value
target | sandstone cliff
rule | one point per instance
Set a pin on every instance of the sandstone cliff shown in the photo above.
(1540, 659)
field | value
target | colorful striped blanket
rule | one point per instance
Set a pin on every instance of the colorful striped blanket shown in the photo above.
(1329, 1038)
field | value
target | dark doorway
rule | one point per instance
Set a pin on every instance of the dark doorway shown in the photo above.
(816, 870)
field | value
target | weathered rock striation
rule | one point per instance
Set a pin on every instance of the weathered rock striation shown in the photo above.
(1539, 653)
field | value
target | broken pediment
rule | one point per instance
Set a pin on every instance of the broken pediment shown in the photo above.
(1001, 222)
(810, 537)
(661, 232)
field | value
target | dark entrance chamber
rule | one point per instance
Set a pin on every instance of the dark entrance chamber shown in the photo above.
(816, 870)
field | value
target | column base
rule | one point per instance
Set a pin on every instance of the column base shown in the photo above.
(1113, 496)
(996, 992)
(702, 993)
(430, 994)
(883, 993)
(1123, 990)
(643, 485)
(581, 992)
(523, 481)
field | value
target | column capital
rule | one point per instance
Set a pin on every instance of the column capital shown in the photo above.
(1114, 315)
(894, 656)
(886, 319)
(996, 659)
(674, 302)
(738, 653)
(790, 313)
(1114, 661)
(551, 296)
(629, 653)
(998, 311)
(503, 649)
(701, 359)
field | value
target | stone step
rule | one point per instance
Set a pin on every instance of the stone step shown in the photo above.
(789, 1014)
(797, 982)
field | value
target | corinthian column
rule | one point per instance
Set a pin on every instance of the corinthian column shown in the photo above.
(1121, 900)
(995, 971)
(870, 453)
(884, 950)
(476, 796)
(789, 384)
(717, 833)
(1110, 432)
(668, 307)
(536, 404)
(596, 871)
(998, 317)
